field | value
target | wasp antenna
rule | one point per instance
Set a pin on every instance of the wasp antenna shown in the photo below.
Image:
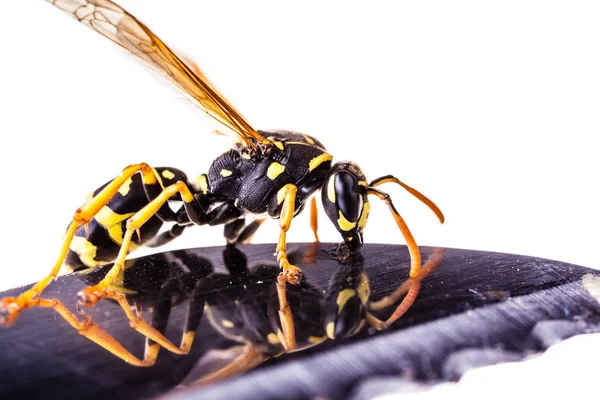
(414, 192)
(413, 249)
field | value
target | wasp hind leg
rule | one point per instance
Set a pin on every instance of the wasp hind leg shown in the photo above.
(90, 295)
(90, 330)
(11, 306)
(154, 333)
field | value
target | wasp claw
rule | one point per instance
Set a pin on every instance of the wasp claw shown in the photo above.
(88, 297)
(293, 276)
(9, 310)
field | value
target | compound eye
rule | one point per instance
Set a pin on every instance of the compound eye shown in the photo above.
(348, 201)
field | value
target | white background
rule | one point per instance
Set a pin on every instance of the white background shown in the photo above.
(488, 108)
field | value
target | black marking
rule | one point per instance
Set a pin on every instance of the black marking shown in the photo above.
(347, 199)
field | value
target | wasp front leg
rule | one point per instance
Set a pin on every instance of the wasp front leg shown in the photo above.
(289, 273)
(287, 197)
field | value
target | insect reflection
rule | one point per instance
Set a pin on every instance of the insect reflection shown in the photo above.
(242, 304)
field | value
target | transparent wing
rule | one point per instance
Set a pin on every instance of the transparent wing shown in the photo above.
(113, 22)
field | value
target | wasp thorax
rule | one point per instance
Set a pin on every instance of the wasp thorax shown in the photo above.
(344, 196)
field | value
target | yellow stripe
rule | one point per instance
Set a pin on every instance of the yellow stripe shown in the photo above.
(318, 160)
(112, 222)
(362, 222)
(86, 252)
(331, 189)
(344, 224)
(330, 329)
(225, 173)
(343, 298)
(158, 178)
(364, 289)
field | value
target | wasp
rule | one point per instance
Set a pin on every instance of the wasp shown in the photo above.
(274, 173)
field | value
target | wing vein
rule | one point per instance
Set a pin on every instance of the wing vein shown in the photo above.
(117, 25)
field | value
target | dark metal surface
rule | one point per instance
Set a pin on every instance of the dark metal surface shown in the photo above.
(472, 303)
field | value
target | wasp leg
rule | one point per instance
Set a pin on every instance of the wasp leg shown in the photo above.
(410, 241)
(285, 316)
(314, 218)
(313, 248)
(407, 302)
(162, 311)
(155, 332)
(249, 357)
(432, 262)
(238, 232)
(410, 288)
(10, 307)
(193, 212)
(291, 272)
(92, 294)
(93, 332)
(249, 230)
(232, 230)
(194, 316)
(165, 237)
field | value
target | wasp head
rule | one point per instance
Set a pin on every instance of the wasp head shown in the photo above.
(344, 196)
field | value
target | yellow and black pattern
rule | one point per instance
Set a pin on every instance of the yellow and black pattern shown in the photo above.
(99, 242)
